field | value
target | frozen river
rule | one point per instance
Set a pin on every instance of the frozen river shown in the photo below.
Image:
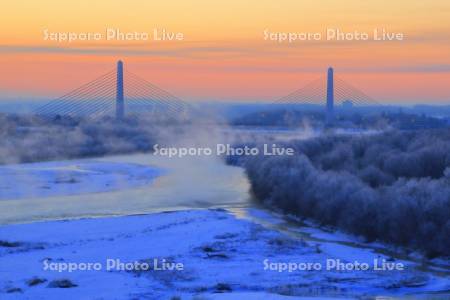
(119, 185)
(237, 240)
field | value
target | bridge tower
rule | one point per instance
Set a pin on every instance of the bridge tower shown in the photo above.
(330, 97)
(120, 106)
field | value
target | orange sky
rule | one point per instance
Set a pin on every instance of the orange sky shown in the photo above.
(224, 55)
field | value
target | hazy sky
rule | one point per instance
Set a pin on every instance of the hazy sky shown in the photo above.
(224, 55)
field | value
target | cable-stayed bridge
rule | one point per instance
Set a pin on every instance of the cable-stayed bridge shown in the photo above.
(315, 93)
(329, 91)
(122, 93)
(117, 93)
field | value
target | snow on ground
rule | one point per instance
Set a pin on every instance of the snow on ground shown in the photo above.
(222, 258)
(46, 179)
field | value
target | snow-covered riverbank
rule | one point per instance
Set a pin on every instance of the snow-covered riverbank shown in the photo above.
(223, 256)
(64, 178)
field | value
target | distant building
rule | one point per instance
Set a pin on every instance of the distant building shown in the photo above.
(347, 104)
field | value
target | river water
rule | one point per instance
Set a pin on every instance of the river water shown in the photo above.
(185, 183)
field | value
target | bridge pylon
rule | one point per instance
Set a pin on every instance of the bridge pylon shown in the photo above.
(330, 97)
(120, 105)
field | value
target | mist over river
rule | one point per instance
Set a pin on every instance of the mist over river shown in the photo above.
(182, 183)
